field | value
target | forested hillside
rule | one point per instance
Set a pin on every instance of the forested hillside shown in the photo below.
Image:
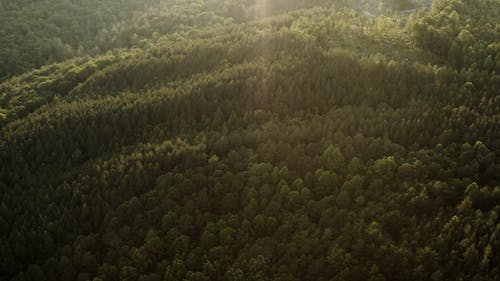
(249, 140)
(34, 33)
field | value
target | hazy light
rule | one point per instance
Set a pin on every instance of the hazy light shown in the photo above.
(262, 8)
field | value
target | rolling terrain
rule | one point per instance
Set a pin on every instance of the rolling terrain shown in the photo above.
(250, 140)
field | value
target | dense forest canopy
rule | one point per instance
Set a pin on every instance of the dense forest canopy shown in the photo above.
(34, 33)
(249, 140)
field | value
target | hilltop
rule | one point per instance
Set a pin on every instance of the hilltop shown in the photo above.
(250, 140)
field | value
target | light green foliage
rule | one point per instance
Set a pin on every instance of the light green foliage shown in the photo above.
(249, 140)
(459, 38)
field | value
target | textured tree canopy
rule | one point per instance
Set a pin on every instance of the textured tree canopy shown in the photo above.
(281, 140)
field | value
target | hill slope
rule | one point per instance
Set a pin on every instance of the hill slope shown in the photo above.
(303, 142)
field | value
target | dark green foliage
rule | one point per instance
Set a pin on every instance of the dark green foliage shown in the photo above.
(299, 143)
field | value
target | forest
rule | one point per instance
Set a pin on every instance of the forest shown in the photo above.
(259, 140)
